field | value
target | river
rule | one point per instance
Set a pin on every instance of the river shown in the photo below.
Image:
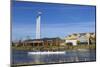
(22, 57)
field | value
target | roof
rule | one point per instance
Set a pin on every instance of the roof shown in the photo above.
(42, 39)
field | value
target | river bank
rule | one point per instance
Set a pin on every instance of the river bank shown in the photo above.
(55, 48)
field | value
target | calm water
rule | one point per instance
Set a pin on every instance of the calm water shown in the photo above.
(20, 57)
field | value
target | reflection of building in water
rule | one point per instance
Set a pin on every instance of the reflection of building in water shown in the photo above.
(43, 42)
(83, 38)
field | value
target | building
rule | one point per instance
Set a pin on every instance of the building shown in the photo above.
(83, 38)
(44, 42)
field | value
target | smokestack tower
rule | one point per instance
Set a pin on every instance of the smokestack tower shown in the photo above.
(38, 22)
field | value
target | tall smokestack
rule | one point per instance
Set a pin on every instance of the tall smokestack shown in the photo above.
(38, 21)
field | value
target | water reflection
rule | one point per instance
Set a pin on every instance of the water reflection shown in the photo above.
(69, 56)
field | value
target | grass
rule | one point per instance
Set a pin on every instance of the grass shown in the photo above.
(55, 48)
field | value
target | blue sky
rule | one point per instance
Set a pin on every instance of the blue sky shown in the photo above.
(57, 20)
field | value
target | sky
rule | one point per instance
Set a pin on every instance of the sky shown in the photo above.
(57, 20)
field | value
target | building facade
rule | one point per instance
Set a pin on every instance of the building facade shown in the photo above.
(80, 38)
(45, 42)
